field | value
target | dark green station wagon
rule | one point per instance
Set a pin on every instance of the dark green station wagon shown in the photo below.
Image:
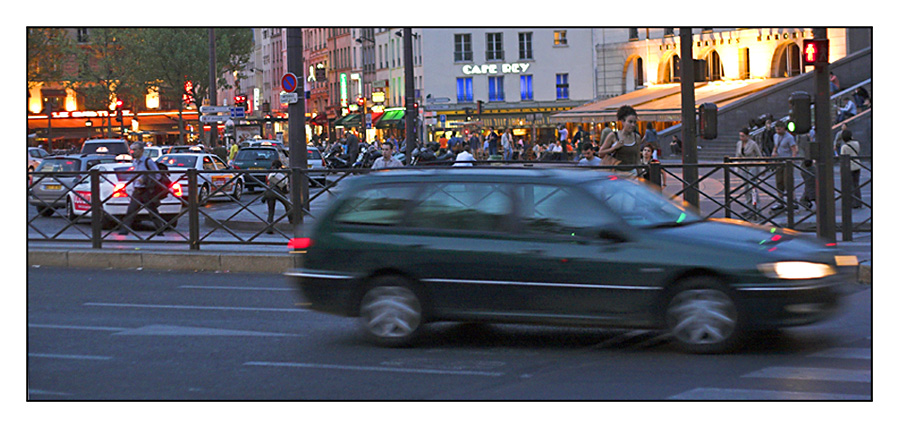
(402, 248)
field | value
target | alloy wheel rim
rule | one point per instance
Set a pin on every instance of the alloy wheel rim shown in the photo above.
(702, 316)
(391, 312)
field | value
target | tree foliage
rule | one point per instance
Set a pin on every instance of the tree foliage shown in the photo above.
(47, 50)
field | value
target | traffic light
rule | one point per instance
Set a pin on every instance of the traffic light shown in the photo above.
(479, 109)
(709, 120)
(119, 117)
(360, 101)
(240, 101)
(815, 52)
(800, 117)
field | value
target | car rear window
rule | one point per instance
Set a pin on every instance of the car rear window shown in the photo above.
(185, 161)
(123, 175)
(256, 155)
(112, 148)
(65, 164)
(313, 154)
(383, 204)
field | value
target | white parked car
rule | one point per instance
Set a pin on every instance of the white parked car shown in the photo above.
(211, 180)
(35, 156)
(116, 187)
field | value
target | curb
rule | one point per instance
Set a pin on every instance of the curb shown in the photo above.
(164, 260)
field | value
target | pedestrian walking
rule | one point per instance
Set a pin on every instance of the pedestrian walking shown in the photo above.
(386, 160)
(785, 147)
(506, 144)
(851, 147)
(464, 158)
(145, 193)
(587, 156)
(624, 145)
(278, 190)
(747, 148)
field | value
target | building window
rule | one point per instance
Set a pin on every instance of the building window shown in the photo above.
(495, 88)
(525, 87)
(562, 86)
(559, 38)
(525, 52)
(633, 33)
(464, 90)
(668, 31)
(82, 35)
(462, 47)
(494, 47)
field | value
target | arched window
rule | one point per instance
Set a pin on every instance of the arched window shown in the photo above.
(789, 61)
(672, 71)
(715, 70)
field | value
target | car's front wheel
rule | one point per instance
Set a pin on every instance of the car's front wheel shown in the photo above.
(238, 190)
(703, 317)
(70, 210)
(391, 312)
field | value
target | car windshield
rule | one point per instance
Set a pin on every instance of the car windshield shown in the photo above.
(176, 161)
(111, 148)
(255, 155)
(640, 206)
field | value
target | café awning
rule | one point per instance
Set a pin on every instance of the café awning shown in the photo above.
(391, 118)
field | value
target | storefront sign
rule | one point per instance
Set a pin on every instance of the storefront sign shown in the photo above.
(496, 68)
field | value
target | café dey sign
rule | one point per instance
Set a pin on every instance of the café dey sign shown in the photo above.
(496, 68)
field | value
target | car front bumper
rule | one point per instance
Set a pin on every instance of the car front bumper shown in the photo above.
(782, 304)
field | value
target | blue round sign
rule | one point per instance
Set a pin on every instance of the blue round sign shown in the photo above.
(289, 82)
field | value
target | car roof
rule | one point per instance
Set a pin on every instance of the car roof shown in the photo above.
(105, 141)
(572, 174)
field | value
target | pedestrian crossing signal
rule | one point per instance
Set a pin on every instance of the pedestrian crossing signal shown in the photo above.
(815, 52)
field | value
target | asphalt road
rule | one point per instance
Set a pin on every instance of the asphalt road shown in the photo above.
(143, 335)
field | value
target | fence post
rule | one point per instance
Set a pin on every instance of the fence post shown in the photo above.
(789, 191)
(656, 174)
(193, 210)
(846, 199)
(727, 171)
(96, 211)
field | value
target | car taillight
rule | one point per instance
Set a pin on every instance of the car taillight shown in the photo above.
(119, 191)
(300, 244)
(176, 189)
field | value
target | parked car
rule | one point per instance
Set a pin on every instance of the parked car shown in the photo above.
(277, 143)
(35, 155)
(156, 152)
(116, 188)
(106, 147)
(212, 181)
(257, 158)
(197, 148)
(399, 249)
(315, 163)
(48, 192)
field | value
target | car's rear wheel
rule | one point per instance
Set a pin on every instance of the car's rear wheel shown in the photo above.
(238, 190)
(203, 195)
(391, 312)
(703, 317)
(70, 210)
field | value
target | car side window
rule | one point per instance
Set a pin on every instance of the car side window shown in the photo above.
(219, 164)
(463, 206)
(383, 204)
(208, 163)
(559, 210)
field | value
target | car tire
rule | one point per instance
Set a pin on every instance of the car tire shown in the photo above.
(203, 195)
(70, 210)
(171, 218)
(390, 312)
(238, 190)
(45, 210)
(703, 317)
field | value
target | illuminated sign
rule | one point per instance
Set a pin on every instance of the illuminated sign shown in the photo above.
(86, 114)
(496, 68)
(343, 89)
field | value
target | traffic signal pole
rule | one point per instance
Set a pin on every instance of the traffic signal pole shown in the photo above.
(214, 137)
(297, 131)
(825, 214)
(411, 111)
(688, 120)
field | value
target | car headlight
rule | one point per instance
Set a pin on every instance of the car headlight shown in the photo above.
(796, 270)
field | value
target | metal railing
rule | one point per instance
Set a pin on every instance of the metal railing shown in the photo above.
(220, 212)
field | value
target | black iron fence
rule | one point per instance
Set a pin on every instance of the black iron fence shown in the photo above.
(205, 208)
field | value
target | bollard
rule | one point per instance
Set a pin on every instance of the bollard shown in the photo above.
(846, 199)
(193, 210)
(96, 211)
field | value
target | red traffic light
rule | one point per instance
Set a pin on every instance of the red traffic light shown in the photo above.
(815, 52)
(360, 101)
(119, 104)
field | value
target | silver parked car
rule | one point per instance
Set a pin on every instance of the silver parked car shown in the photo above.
(48, 192)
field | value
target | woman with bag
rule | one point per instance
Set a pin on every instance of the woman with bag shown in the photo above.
(624, 146)
(279, 190)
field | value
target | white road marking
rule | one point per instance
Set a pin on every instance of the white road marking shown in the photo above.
(83, 328)
(168, 330)
(78, 357)
(189, 307)
(47, 392)
(708, 393)
(816, 374)
(277, 289)
(845, 353)
(374, 368)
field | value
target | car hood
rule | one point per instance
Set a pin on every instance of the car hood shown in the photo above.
(768, 242)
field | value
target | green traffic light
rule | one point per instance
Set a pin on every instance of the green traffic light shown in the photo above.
(791, 127)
